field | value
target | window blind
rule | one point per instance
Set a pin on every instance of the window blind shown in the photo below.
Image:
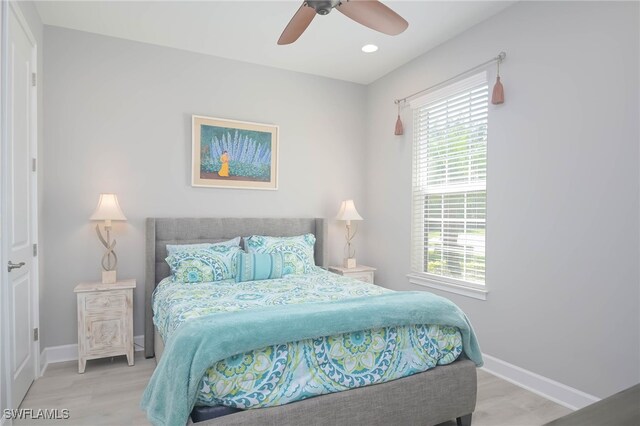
(449, 181)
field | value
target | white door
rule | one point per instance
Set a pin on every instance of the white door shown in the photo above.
(19, 230)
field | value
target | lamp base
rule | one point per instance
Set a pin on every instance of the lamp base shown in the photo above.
(108, 277)
(349, 262)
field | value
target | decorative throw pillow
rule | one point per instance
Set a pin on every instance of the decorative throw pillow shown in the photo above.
(259, 266)
(173, 248)
(296, 251)
(213, 263)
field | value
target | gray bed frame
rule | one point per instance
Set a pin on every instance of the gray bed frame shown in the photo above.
(434, 396)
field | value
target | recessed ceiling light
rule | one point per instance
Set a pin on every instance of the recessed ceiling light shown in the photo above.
(369, 48)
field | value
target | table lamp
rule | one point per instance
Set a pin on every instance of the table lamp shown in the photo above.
(108, 209)
(348, 213)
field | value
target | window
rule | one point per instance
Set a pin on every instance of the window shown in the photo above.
(449, 187)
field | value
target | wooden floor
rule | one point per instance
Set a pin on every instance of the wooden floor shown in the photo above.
(108, 393)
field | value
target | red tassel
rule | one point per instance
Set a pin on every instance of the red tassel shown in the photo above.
(497, 97)
(399, 129)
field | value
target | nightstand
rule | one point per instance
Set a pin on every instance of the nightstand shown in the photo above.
(105, 320)
(360, 272)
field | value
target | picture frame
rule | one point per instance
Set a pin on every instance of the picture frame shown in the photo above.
(234, 154)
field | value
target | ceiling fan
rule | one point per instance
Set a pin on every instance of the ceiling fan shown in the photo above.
(370, 13)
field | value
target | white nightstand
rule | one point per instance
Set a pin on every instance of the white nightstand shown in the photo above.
(105, 320)
(360, 272)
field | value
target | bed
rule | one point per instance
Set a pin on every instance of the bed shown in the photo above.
(430, 397)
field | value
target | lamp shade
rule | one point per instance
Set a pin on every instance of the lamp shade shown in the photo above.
(108, 209)
(348, 211)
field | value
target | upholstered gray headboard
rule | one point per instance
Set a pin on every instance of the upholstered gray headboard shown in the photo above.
(163, 231)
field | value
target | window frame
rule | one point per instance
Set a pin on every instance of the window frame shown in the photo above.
(440, 282)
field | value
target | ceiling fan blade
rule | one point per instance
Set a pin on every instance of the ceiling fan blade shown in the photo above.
(297, 25)
(373, 14)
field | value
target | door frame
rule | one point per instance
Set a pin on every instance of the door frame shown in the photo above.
(14, 8)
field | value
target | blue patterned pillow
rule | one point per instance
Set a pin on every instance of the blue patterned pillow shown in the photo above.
(259, 266)
(297, 251)
(196, 265)
(174, 248)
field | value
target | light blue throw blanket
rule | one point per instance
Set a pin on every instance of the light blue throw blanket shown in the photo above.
(199, 343)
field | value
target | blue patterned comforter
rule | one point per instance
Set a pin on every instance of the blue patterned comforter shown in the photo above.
(292, 371)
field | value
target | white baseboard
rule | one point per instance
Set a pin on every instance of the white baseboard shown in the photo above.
(557, 392)
(138, 343)
(63, 353)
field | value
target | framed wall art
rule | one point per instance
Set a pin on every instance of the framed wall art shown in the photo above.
(234, 154)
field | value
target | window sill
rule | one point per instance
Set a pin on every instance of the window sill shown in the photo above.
(463, 290)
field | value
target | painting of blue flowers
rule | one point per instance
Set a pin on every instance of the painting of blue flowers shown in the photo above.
(234, 154)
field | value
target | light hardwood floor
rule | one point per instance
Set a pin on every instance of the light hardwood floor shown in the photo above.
(108, 393)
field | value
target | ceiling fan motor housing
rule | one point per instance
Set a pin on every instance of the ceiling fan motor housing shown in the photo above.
(323, 7)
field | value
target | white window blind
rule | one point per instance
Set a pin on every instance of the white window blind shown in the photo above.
(449, 182)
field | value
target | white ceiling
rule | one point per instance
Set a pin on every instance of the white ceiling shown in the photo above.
(248, 31)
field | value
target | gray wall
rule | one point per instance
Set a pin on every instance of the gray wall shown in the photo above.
(562, 231)
(118, 119)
